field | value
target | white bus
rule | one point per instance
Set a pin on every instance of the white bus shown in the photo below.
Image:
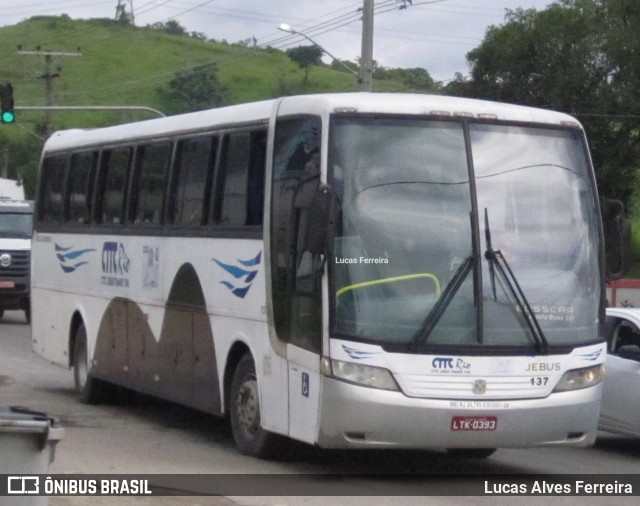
(349, 270)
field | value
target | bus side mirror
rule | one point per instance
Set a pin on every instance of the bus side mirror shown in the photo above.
(321, 218)
(315, 246)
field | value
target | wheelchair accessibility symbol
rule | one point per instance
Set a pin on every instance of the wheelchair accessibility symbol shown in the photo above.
(305, 384)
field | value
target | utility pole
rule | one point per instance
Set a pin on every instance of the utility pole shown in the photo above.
(133, 19)
(121, 14)
(366, 55)
(48, 78)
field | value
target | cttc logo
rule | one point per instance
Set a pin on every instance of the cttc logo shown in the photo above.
(442, 363)
(447, 364)
(114, 258)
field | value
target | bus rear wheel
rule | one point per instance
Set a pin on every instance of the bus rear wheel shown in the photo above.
(89, 390)
(250, 438)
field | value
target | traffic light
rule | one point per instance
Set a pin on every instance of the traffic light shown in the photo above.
(6, 99)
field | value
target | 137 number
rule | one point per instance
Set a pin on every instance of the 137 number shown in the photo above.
(539, 381)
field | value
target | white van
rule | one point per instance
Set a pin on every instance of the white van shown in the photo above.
(16, 217)
(11, 189)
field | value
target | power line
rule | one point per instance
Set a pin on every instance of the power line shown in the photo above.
(329, 25)
(344, 20)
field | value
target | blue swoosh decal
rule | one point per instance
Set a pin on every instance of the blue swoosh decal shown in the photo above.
(253, 262)
(64, 254)
(358, 354)
(236, 272)
(244, 275)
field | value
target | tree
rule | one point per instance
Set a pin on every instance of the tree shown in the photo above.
(416, 79)
(172, 27)
(577, 56)
(622, 47)
(305, 57)
(194, 89)
(545, 58)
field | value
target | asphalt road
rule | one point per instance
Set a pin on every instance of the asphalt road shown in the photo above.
(139, 435)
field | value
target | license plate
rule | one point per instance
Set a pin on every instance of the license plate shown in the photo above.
(474, 423)
(7, 284)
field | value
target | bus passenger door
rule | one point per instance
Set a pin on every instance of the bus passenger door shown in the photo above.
(304, 320)
(305, 344)
(295, 268)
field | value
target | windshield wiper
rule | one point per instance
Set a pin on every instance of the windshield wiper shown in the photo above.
(497, 260)
(420, 337)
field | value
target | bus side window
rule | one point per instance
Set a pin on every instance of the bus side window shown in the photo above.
(147, 195)
(52, 192)
(257, 170)
(81, 177)
(240, 185)
(114, 165)
(193, 170)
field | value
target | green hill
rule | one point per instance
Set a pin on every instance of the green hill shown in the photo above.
(124, 65)
(120, 64)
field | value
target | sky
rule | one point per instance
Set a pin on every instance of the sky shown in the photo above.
(432, 34)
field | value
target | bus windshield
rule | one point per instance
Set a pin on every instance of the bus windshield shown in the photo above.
(418, 200)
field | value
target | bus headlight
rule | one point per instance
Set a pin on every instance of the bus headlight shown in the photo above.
(359, 374)
(579, 378)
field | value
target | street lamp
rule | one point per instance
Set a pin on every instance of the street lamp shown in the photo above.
(287, 28)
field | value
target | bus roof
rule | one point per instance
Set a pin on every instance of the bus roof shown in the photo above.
(400, 103)
(371, 103)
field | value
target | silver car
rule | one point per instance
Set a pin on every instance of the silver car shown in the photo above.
(621, 394)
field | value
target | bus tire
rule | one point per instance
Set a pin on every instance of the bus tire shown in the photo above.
(89, 390)
(471, 453)
(244, 403)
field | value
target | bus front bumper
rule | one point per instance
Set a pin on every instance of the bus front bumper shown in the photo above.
(358, 417)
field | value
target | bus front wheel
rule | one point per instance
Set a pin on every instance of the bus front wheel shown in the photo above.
(89, 390)
(250, 438)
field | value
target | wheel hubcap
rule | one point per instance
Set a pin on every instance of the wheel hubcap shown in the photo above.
(248, 406)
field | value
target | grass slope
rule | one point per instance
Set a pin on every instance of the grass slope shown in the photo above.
(117, 64)
(125, 65)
